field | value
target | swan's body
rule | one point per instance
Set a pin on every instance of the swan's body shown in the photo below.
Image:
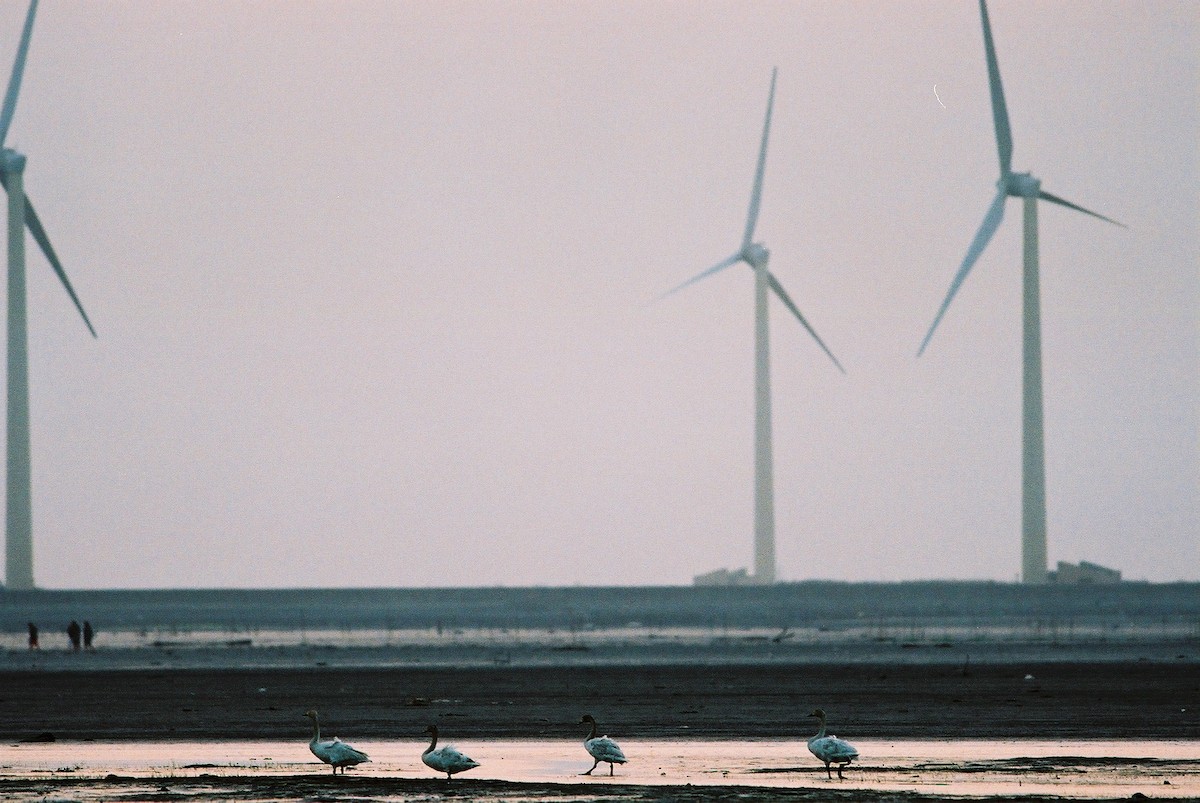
(830, 749)
(445, 759)
(601, 748)
(335, 753)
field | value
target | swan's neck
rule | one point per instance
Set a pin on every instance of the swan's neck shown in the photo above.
(592, 735)
(316, 731)
(820, 730)
(432, 743)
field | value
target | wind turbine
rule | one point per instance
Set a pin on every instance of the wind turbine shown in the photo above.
(756, 256)
(19, 519)
(1028, 188)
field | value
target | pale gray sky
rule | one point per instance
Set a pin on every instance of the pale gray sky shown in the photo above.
(370, 280)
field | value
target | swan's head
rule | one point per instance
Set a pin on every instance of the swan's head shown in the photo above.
(311, 714)
(819, 714)
(587, 720)
(431, 729)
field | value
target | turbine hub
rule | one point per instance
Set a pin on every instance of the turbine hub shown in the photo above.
(1022, 185)
(756, 254)
(11, 161)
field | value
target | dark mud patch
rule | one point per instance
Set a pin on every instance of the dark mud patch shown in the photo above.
(327, 789)
(1062, 765)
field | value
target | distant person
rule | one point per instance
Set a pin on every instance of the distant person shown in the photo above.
(33, 636)
(88, 635)
(73, 634)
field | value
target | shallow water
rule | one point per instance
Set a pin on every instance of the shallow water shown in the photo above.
(1081, 769)
(211, 648)
(374, 637)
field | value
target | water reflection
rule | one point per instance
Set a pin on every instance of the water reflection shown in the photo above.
(1081, 769)
(265, 647)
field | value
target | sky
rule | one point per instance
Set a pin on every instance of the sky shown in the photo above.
(372, 284)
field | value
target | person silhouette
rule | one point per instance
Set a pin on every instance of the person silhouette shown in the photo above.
(88, 635)
(33, 636)
(73, 635)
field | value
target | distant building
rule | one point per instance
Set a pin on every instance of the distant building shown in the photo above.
(1069, 574)
(724, 577)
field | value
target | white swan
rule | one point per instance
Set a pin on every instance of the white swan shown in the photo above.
(336, 753)
(601, 748)
(830, 749)
(446, 759)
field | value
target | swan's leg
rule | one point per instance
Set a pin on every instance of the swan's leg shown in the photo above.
(610, 768)
(597, 764)
(828, 774)
(840, 768)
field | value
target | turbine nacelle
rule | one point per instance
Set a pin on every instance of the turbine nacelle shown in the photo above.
(756, 255)
(21, 218)
(1020, 185)
(11, 161)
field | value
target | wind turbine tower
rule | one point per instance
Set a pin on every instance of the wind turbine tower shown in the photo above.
(756, 256)
(1029, 189)
(19, 518)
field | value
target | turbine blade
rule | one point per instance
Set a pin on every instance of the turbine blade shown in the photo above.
(720, 266)
(39, 234)
(991, 222)
(14, 82)
(756, 193)
(1054, 199)
(1004, 144)
(791, 305)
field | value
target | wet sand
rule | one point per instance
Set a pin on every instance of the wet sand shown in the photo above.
(1108, 700)
(938, 708)
(706, 730)
(549, 770)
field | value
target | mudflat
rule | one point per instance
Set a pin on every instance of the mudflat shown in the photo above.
(356, 790)
(1068, 700)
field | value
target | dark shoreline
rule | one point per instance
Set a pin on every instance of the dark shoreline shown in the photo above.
(327, 788)
(1068, 700)
(809, 603)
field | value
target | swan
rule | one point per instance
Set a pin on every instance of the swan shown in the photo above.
(601, 748)
(336, 753)
(830, 749)
(446, 759)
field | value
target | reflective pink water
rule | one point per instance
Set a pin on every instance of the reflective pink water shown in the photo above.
(1082, 769)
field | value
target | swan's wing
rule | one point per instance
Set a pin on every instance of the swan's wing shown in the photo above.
(844, 748)
(326, 751)
(831, 748)
(452, 752)
(434, 760)
(457, 759)
(448, 759)
(605, 749)
(342, 753)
